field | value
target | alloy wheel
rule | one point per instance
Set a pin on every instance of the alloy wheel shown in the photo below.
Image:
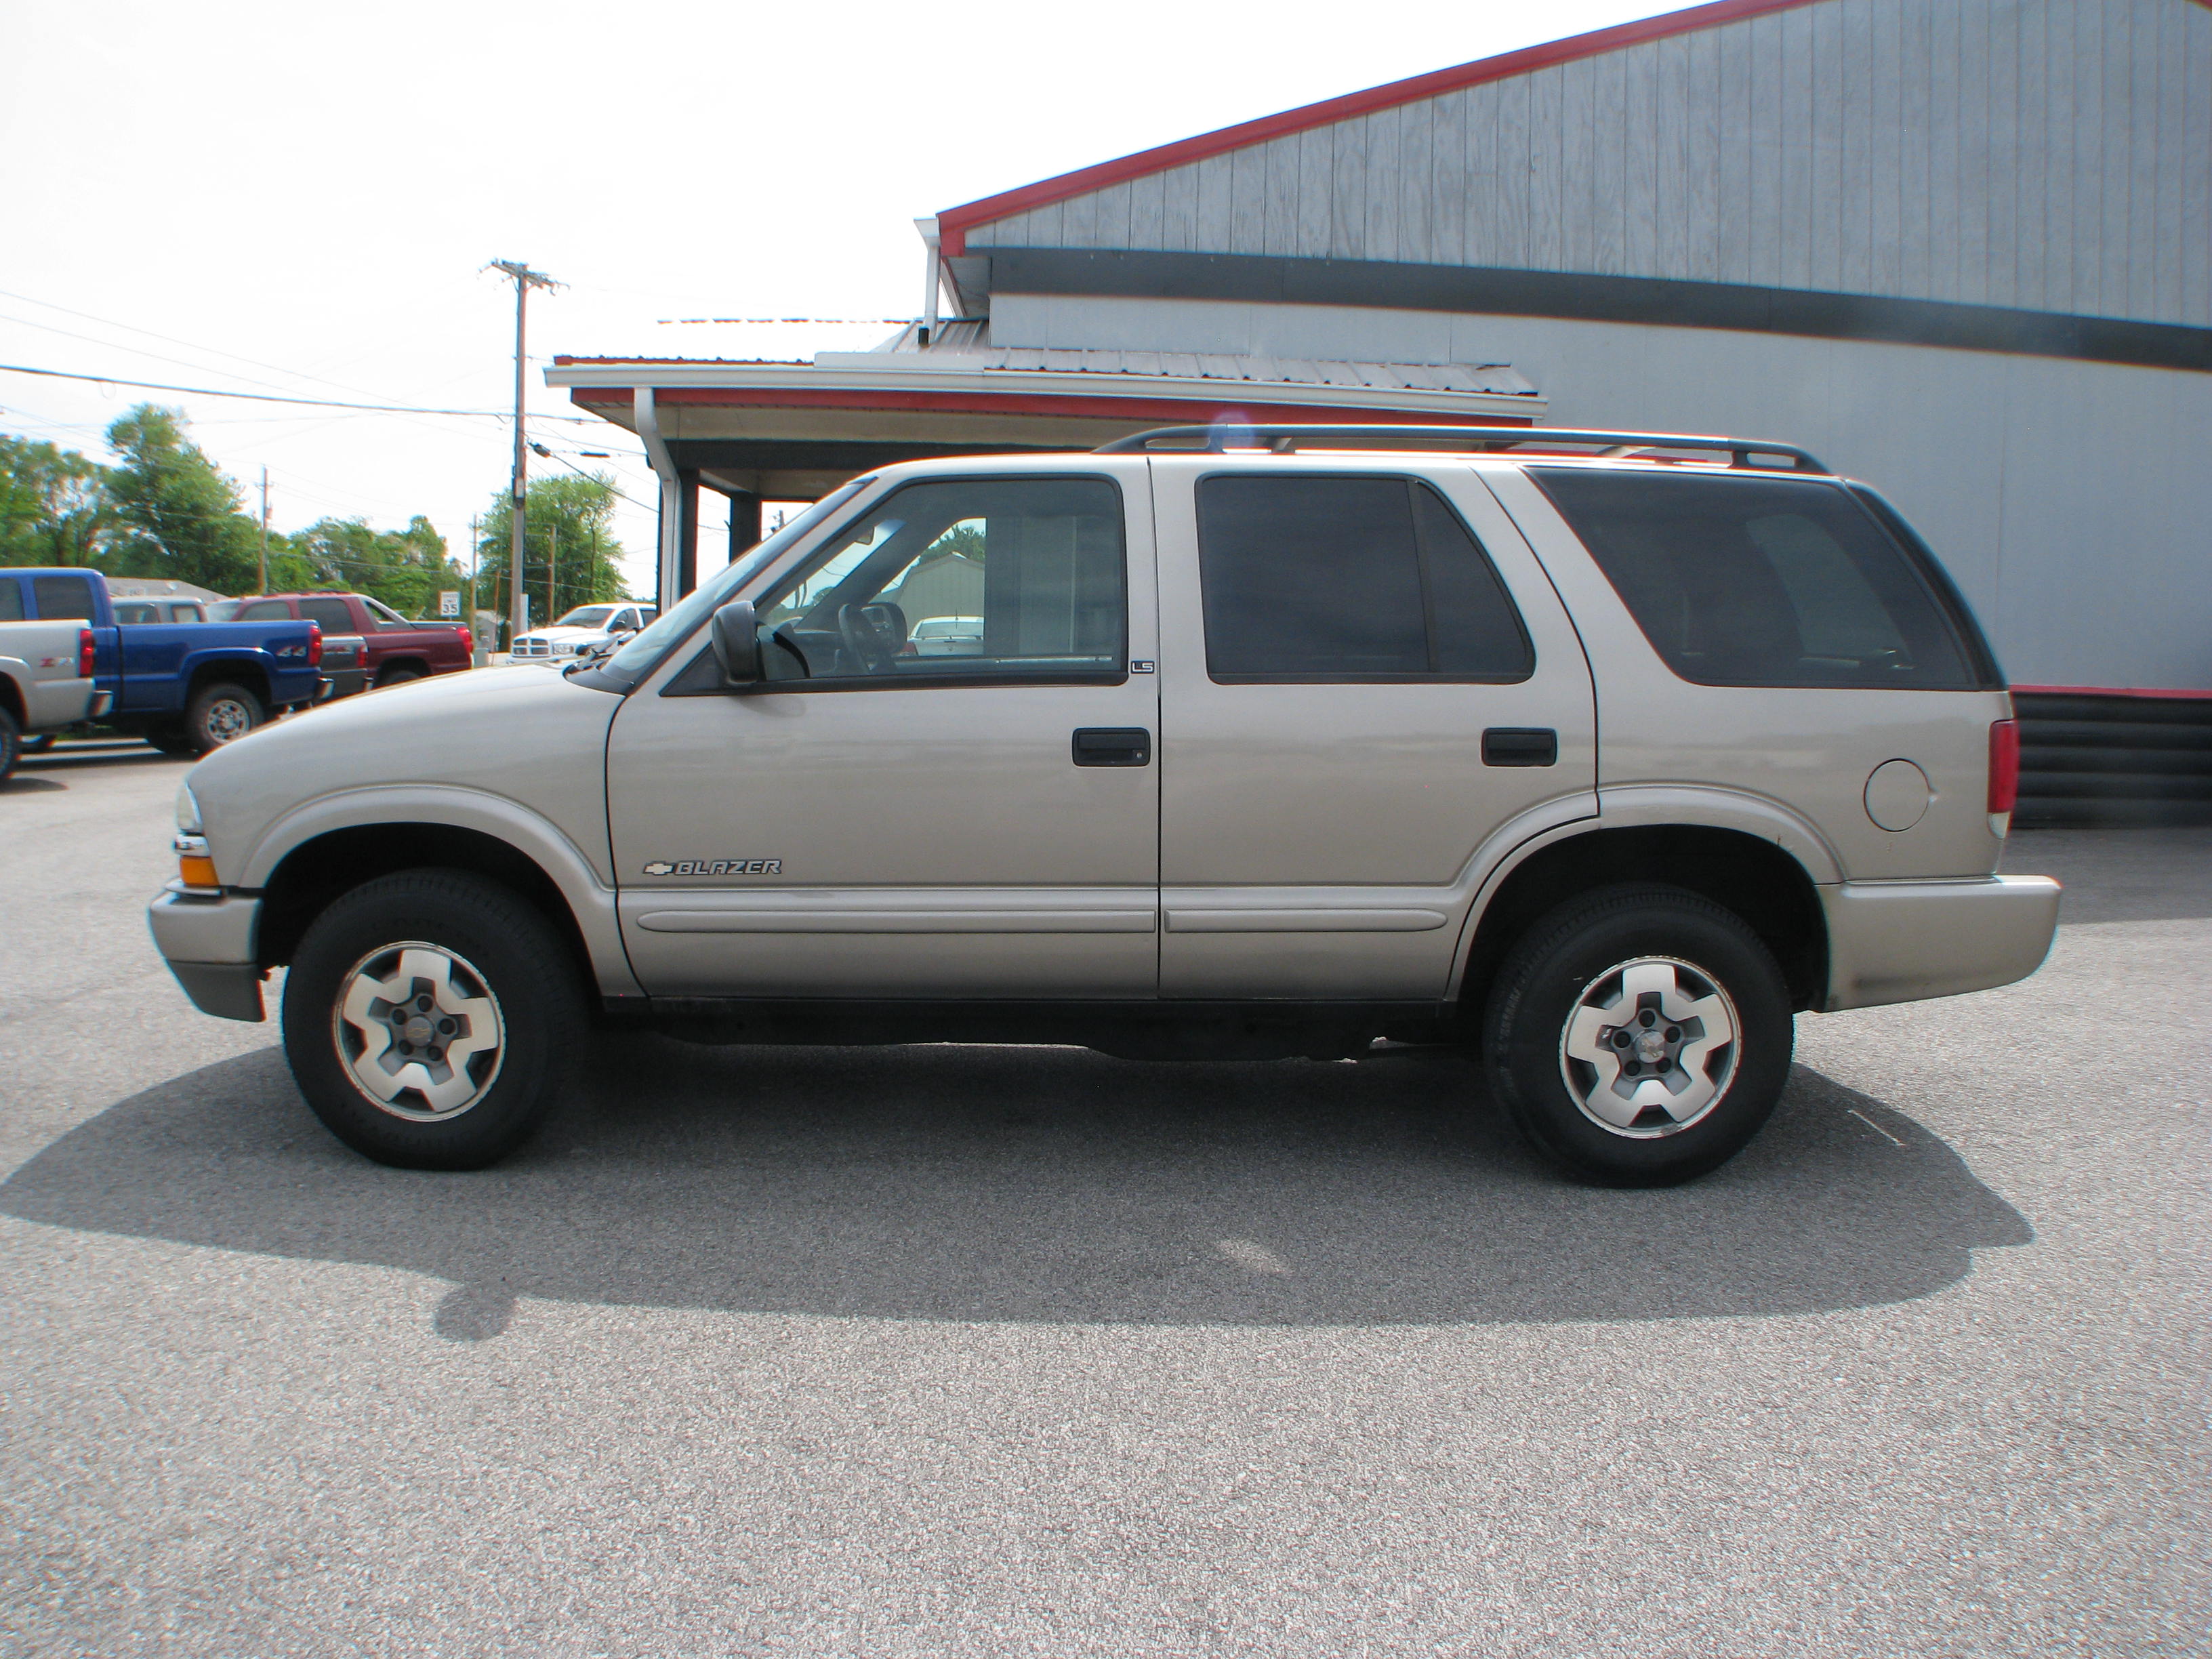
(419, 1030)
(1650, 1047)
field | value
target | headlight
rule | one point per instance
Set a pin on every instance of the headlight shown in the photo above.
(188, 812)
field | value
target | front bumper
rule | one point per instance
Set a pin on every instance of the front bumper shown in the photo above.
(208, 941)
(1900, 941)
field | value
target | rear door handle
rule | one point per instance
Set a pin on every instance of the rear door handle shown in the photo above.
(1112, 746)
(1520, 745)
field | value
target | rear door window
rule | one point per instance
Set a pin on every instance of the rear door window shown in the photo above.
(1762, 581)
(63, 597)
(266, 610)
(1315, 578)
(11, 599)
(331, 616)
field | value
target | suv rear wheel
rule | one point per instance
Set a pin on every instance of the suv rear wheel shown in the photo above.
(424, 1015)
(1639, 1036)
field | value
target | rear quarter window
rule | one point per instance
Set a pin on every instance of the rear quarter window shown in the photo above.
(63, 597)
(11, 599)
(1762, 582)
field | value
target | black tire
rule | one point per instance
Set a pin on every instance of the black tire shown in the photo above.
(504, 948)
(221, 712)
(399, 674)
(11, 743)
(1566, 959)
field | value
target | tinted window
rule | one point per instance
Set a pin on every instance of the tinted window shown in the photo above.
(966, 577)
(11, 599)
(1327, 579)
(1761, 581)
(130, 614)
(186, 613)
(60, 597)
(331, 616)
(266, 610)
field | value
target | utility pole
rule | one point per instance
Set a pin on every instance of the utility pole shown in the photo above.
(552, 567)
(525, 280)
(476, 558)
(264, 588)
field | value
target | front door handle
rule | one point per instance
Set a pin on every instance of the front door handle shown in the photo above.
(1112, 746)
(1520, 745)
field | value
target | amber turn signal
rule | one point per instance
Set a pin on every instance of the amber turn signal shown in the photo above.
(198, 869)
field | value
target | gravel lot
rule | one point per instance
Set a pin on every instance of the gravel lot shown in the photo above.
(955, 1351)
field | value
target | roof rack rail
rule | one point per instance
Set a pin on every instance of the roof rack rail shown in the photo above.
(1225, 435)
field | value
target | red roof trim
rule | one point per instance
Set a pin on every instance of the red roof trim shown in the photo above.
(953, 224)
(1079, 407)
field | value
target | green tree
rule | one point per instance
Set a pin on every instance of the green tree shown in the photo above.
(405, 569)
(54, 505)
(177, 515)
(568, 525)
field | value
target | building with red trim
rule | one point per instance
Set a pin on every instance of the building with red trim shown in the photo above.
(1962, 250)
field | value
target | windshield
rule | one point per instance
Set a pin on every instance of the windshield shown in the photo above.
(586, 616)
(635, 659)
(224, 610)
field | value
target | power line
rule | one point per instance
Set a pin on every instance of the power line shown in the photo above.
(273, 398)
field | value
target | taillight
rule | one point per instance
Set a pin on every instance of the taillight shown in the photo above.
(2004, 765)
(314, 645)
(84, 654)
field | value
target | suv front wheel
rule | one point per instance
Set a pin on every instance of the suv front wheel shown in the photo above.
(1639, 1036)
(423, 1017)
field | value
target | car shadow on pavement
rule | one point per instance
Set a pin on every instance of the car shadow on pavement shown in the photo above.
(20, 783)
(1038, 1184)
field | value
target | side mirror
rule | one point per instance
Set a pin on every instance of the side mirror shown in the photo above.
(735, 634)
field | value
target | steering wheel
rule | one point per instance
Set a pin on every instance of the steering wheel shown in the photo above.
(862, 640)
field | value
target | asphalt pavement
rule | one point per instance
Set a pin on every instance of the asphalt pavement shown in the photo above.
(987, 1351)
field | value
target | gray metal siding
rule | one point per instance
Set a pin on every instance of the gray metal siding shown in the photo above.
(2054, 154)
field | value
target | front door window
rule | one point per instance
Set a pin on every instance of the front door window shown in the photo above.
(983, 579)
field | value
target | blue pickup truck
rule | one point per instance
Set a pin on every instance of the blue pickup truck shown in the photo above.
(185, 687)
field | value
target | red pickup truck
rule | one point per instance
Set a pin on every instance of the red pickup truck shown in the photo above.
(365, 644)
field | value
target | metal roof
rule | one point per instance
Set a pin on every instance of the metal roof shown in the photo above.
(964, 345)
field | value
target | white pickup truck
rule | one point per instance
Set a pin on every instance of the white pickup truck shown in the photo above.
(1603, 754)
(46, 680)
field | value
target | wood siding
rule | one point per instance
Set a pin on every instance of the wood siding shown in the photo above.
(2050, 154)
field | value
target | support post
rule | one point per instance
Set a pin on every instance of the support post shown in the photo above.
(664, 468)
(687, 542)
(744, 521)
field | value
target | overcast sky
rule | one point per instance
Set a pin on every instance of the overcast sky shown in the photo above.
(300, 197)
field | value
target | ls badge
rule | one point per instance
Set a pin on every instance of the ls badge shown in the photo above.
(715, 867)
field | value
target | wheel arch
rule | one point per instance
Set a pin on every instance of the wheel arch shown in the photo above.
(421, 665)
(225, 671)
(332, 845)
(1754, 877)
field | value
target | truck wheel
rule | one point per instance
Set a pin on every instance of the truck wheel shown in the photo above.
(222, 714)
(1638, 1036)
(11, 743)
(397, 675)
(424, 1017)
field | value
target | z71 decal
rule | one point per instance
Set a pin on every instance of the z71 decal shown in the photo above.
(715, 867)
